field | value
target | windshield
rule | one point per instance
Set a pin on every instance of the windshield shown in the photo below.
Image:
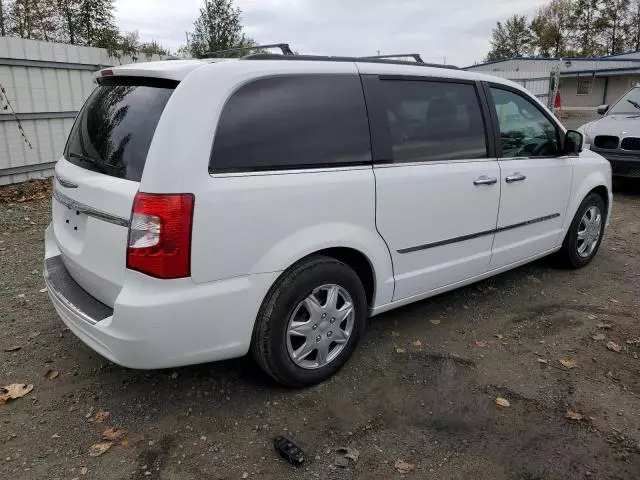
(628, 104)
(114, 129)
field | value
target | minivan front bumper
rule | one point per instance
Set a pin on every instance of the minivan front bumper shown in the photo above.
(159, 323)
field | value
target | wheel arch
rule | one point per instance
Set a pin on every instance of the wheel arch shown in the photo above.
(594, 182)
(359, 248)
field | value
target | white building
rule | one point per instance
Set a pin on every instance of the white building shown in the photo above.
(584, 84)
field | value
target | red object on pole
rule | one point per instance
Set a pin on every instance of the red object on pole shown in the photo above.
(558, 101)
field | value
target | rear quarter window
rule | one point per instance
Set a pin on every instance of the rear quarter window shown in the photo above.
(114, 129)
(296, 121)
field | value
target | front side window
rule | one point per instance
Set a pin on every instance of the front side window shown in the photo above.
(433, 121)
(294, 121)
(524, 130)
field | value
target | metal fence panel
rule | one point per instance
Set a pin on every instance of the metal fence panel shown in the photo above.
(538, 83)
(46, 84)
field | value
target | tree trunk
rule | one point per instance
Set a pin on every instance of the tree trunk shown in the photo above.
(2, 32)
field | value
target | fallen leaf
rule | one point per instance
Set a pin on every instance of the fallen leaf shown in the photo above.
(503, 402)
(98, 449)
(395, 334)
(543, 360)
(417, 343)
(599, 336)
(481, 343)
(436, 322)
(569, 363)
(99, 417)
(15, 348)
(125, 443)
(84, 471)
(613, 346)
(573, 415)
(14, 391)
(402, 466)
(50, 375)
(605, 326)
(499, 336)
(55, 435)
(113, 433)
(400, 350)
(43, 290)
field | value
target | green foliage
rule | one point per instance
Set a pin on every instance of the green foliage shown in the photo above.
(550, 28)
(513, 39)
(586, 28)
(78, 22)
(217, 28)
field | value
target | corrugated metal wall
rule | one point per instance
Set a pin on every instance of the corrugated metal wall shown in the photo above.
(538, 83)
(45, 84)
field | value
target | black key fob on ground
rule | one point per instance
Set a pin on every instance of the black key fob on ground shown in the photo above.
(288, 450)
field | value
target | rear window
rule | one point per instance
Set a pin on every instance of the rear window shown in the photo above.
(293, 121)
(115, 127)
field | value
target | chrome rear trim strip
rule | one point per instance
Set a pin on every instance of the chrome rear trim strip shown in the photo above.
(92, 212)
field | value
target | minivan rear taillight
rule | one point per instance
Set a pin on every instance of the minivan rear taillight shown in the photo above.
(160, 235)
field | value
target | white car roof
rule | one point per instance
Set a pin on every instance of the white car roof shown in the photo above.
(179, 69)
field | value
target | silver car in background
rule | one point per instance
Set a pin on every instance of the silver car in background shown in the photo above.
(616, 136)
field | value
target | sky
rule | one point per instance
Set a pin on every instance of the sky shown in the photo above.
(457, 31)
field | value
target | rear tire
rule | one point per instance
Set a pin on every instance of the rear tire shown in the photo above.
(585, 233)
(310, 322)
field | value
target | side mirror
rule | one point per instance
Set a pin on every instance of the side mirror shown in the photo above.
(602, 109)
(573, 142)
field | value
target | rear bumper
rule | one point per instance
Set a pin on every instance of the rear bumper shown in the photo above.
(160, 323)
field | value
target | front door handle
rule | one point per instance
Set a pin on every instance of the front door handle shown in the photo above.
(516, 177)
(484, 180)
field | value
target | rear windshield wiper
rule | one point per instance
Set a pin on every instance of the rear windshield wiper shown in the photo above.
(92, 161)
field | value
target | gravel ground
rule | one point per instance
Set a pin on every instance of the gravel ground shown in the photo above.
(421, 388)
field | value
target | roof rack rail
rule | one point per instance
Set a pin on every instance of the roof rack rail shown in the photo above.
(286, 50)
(320, 58)
(415, 56)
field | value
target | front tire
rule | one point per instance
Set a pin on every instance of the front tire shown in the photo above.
(585, 233)
(310, 322)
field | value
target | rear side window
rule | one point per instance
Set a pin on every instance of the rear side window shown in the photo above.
(296, 121)
(432, 121)
(115, 127)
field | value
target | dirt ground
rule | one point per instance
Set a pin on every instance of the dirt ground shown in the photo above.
(421, 388)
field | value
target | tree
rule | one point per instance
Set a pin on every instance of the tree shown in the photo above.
(96, 23)
(152, 48)
(587, 24)
(217, 28)
(513, 39)
(33, 19)
(550, 29)
(69, 12)
(614, 25)
(3, 31)
(634, 26)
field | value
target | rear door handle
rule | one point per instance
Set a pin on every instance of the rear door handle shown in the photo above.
(485, 180)
(516, 177)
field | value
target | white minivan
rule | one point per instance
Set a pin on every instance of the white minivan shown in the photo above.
(204, 209)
